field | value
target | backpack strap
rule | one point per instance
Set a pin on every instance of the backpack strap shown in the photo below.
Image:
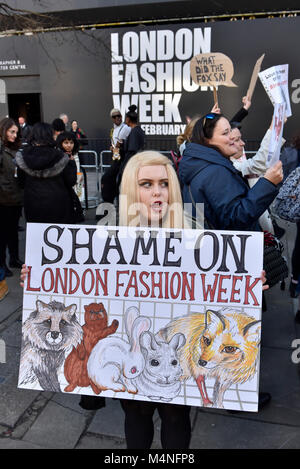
(176, 159)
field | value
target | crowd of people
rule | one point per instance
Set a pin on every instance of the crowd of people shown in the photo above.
(42, 177)
(40, 174)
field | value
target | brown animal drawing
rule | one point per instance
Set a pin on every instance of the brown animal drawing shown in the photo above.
(94, 329)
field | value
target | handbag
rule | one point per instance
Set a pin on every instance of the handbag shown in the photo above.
(287, 202)
(274, 263)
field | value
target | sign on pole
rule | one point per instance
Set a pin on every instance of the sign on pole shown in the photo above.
(212, 69)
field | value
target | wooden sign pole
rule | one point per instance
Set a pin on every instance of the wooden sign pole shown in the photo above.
(215, 95)
(254, 77)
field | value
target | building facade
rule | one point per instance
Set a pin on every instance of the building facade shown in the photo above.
(85, 71)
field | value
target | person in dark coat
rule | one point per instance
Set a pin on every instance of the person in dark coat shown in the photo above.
(135, 141)
(79, 134)
(290, 158)
(11, 195)
(58, 126)
(209, 177)
(25, 130)
(47, 175)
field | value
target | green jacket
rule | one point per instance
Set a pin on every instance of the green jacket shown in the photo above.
(11, 193)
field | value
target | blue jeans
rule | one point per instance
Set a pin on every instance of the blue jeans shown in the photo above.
(2, 274)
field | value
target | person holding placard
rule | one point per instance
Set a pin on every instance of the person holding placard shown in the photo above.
(209, 177)
(206, 170)
(243, 112)
(150, 180)
(185, 137)
(254, 167)
(151, 196)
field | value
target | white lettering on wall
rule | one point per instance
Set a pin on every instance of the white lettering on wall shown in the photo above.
(295, 97)
(151, 69)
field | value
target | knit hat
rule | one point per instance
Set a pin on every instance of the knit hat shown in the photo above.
(114, 111)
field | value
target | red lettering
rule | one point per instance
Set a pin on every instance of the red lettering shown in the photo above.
(51, 280)
(132, 284)
(249, 288)
(103, 283)
(222, 290)
(118, 284)
(156, 284)
(186, 285)
(209, 290)
(83, 282)
(144, 274)
(71, 289)
(28, 286)
(62, 284)
(234, 291)
(166, 285)
(173, 294)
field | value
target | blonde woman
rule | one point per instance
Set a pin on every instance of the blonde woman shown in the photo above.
(150, 193)
(150, 196)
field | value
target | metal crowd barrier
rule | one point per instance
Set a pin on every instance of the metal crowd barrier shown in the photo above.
(86, 201)
(105, 160)
(91, 201)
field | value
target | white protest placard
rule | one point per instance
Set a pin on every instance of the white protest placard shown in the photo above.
(144, 313)
(276, 134)
(275, 81)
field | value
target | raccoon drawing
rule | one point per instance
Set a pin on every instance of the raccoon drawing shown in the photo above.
(49, 334)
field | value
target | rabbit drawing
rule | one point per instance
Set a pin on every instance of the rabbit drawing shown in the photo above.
(160, 379)
(113, 362)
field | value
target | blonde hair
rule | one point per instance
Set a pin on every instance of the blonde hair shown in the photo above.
(186, 135)
(129, 194)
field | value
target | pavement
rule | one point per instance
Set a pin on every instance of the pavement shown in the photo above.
(41, 420)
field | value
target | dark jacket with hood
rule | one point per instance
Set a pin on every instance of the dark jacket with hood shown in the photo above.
(48, 176)
(11, 194)
(229, 203)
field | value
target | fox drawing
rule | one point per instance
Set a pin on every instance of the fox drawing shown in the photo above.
(222, 345)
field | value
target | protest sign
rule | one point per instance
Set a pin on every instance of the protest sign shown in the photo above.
(144, 313)
(276, 134)
(275, 81)
(212, 69)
